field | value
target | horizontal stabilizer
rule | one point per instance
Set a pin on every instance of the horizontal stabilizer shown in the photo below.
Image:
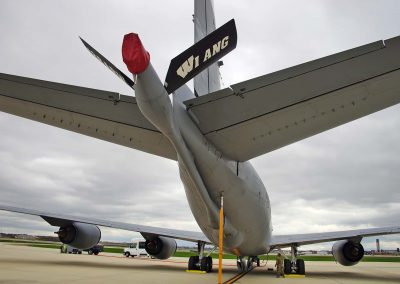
(200, 56)
(107, 63)
(260, 115)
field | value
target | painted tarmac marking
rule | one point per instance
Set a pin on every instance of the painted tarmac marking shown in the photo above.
(237, 277)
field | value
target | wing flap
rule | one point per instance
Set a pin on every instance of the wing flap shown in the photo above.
(306, 239)
(104, 115)
(58, 219)
(269, 112)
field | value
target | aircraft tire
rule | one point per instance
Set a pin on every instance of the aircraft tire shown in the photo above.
(192, 263)
(287, 266)
(210, 263)
(206, 264)
(241, 266)
(300, 267)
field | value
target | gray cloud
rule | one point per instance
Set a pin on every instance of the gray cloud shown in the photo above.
(342, 179)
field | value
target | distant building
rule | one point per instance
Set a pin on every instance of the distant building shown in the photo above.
(378, 246)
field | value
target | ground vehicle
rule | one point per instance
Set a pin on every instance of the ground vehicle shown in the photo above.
(68, 249)
(95, 249)
(136, 248)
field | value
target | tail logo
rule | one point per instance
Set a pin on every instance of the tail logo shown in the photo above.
(200, 56)
(193, 62)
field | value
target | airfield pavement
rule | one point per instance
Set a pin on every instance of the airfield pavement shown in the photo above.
(22, 264)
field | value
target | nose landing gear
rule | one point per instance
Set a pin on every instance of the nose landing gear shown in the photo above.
(245, 265)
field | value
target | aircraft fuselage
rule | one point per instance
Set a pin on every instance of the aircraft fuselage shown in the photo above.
(207, 174)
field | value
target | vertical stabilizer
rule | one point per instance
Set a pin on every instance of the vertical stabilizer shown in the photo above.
(204, 23)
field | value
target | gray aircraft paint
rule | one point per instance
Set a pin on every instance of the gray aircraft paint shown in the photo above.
(207, 175)
(25, 97)
(204, 23)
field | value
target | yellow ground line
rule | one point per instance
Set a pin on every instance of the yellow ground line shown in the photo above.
(294, 276)
(196, 271)
(237, 277)
(234, 279)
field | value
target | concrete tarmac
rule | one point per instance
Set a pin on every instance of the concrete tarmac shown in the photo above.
(22, 264)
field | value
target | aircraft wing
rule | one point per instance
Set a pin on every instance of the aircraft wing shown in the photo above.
(260, 115)
(60, 220)
(281, 241)
(104, 115)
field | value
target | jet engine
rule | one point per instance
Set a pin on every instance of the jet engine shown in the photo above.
(347, 253)
(160, 247)
(80, 235)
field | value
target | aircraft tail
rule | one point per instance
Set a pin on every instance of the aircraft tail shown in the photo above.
(200, 57)
(204, 23)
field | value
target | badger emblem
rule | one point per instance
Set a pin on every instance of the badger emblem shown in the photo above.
(200, 56)
(193, 61)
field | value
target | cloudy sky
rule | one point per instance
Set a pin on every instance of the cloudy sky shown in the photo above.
(342, 179)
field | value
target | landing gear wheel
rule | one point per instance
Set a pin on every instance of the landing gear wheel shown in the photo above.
(192, 263)
(210, 263)
(96, 253)
(241, 265)
(206, 264)
(287, 266)
(300, 267)
(90, 252)
(249, 265)
(258, 262)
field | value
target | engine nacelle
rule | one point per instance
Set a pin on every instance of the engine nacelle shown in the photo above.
(80, 235)
(347, 253)
(161, 247)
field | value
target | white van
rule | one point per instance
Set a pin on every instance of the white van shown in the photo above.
(136, 248)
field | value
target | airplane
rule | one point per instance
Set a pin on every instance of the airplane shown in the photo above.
(213, 132)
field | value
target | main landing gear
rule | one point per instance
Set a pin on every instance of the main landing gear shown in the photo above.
(295, 265)
(200, 262)
(245, 265)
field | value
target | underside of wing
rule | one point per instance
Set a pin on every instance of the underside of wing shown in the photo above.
(281, 241)
(62, 220)
(266, 113)
(104, 115)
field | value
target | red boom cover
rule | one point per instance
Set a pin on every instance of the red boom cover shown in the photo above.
(134, 55)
